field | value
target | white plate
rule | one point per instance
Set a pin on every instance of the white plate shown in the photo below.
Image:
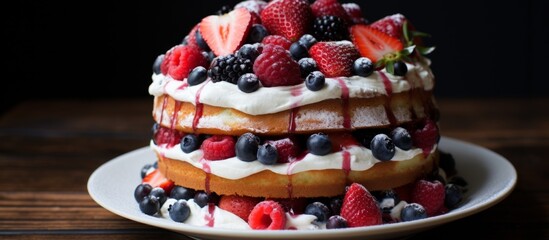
(491, 178)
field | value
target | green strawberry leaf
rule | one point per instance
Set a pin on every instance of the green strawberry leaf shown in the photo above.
(425, 50)
(390, 67)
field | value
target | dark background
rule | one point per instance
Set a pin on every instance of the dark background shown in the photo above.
(90, 49)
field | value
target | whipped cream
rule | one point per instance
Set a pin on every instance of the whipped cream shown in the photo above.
(267, 100)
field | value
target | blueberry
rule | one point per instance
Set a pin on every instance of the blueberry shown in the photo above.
(141, 191)
(200, 41)
(189, 143)
(400, 68)
(149, 205)
(382, 147)
(307, 40)
(197, 76)
(336, 221)
(179, 211)
(412, 211)
(319, 210)
(363, 67)
(246, 147)
(248, 83)
(160, 194)
(335, 205)
(387, 200)
(267, 154)
(315, 81)
(306, 66)
(257, 33)
(298, 51)
(201, 198)
(401, 138)
(249, 51)
(210, 55)
(319, 144)
(145, 169)
(453, 196)
(179, 192)
(157, 63)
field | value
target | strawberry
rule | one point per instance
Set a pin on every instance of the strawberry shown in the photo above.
(253, 6)
(239, 205)
(286, 148)
(329, 8)
(430, 195)
(218, 147)
(226, 33)
(182, 59)
(374, 44)
(157, 179)
(169, 137)
(426, 136)
(334, 59)
(391, 25)
(267, 215)
(342, 141)
(276, 67)
(354, 13)
(277, 40)
(360, 208)
(288, 18)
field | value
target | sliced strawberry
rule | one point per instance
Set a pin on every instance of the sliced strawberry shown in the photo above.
(239, 205)
(334, 59)
(226, 33)
(430, 195)
(288, 18)
(391, 25)
(360, 208)
(354, 13)
(372, 43)
(157, 179)
(329, 8)
(342, 141)
(286, 148)
(267, 215)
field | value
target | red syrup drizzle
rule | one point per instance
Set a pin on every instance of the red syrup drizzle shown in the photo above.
(289, 170)
(209, 217)
(296, 92)
(387, 105)
(199, 107)
(346, 164)
(345, 103)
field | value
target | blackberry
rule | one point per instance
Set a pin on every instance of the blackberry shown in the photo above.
(330, 28)
(229, 68)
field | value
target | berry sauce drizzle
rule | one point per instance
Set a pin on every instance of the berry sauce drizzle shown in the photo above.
(206, 168)
(199, 107)
(296, 92)
(210, 218)
(164, 104)
(345, 103)
(289, 170)
(387, 105)
(346, 164)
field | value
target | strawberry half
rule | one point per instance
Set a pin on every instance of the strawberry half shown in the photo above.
(374, 44)
(391, 25)
(360, 208)
(156, 179)
(334, 59)
(288, 18)
(226, 33)
(329, 8)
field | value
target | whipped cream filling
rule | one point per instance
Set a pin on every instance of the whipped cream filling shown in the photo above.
(268, 100)
(360, 159)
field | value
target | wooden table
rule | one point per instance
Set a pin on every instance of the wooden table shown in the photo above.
(48, 149)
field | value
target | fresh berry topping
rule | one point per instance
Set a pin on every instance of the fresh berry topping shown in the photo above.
(190, 39)
(288, 18)
(354, 13)
(156, 179)
(307, 66)
(179, 211)
(157, 63)
(226, 33)
(391, 25)
(319, 144)
(218, 147)
(374, 44)
(286, 149)
(248, 83)
(189, 143)
(239, 205)
(453, 195)
(382, 147)
(363, 66)
(145, 169)
(329, 8)
(246, 147)
(402, 138)
(335, 222)
(298, 51)
(249, 51)
(197, 76)
(307, 40)
(202, 198)
(426, 137)
(275, 67)
(149, 205)
(141, 191)
(360, 207)
(330, 28)
(335, 205)
(334, 59)
(159, 193)
(229, 68)
(318, 209)
(179, 192)
(315, 81)
(267, 154)
(430, 195)
(201, 42)
(277, 40)
(257, 33)
(400, 68)
(169, 137)
(412, 211)
(267, 215)
(180, 60)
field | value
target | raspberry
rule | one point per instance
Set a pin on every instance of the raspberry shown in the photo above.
(287, 150)
(360, 208)
(334, 59)
(239, 205)
(180, 60)
(168, 136)
(426, 137)
(430, 195)
(218, 147)
(277, 40)
(267, 215)
(275, 67)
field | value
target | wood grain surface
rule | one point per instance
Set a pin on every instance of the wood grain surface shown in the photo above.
(48, 149)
